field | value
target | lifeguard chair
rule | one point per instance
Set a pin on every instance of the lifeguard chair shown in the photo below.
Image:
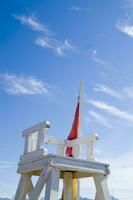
(50, 168)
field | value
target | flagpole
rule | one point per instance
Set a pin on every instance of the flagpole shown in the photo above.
(80, 127)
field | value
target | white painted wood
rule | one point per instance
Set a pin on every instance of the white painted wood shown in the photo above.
(78, 189)
(101, 187)
(60, 150)
(40, 183)
(96, 197)
(40, 139)
(90, 151)
(52, 185)
(36, 141)
(83, 140)
(78, 168)
(67, 183)
(80, 109)
(50, 139)
(32, 156)
(77, 148)
(30, 186)
(32, 141)
(43, 125)
(65, 163)
(26, 144)
(22, 189)
(76, 151)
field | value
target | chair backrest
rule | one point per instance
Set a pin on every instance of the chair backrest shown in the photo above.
(34, 136)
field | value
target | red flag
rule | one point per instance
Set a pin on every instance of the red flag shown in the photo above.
(74, 131)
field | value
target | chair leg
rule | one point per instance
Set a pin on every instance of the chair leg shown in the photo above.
(52, 185)
(22, 189)
(67, 183)
(102, 192)
(96, 197)
(40, 183)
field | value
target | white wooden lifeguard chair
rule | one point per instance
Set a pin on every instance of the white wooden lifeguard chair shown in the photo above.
(36, 161)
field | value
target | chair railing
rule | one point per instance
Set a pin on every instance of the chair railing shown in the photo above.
(36, 139)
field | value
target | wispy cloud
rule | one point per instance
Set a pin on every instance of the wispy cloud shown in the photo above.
(126, 28)
(56, 46)
(107, 90)
(95, 57)
(127, 4)
(124, 93)
(128, 91)
(112, 110)
(23, 85)
(122, 171)
(7, 164)
(33, 23)
(48, 40)
(99, 119)
(79, 9)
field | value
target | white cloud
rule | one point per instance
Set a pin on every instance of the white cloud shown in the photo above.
(33, 23)
(126, 28)
(56, 46)
(112, 110)
(125, 93)
(95, 58)
(128, 4)
(79, 9)
(48, 40)
(7, 164)
(128, 91)
(122, 175)
(99, 119)
(23, 85)
(107, 90)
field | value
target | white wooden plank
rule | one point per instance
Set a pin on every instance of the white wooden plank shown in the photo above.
(40, 139)
(50, 139)
(90, 150)
(32, 156)
(64, 163)
(78, 189)
(78, 168)
(52, 185)
(101, 187)
(30, 186)
(96, 197)
(83, 140)
(37, 127)
(22, 189)
(80, 127)
(26, 145)
(40, 183)
(60, 150)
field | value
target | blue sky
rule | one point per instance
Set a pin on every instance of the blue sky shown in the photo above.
(46, 48)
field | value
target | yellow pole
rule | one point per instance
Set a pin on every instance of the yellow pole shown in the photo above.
(74, 186)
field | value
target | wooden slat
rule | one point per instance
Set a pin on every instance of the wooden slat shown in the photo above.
(22, 188)
(40, 183)
(52, 185)
(37, 127)
(102, 192)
